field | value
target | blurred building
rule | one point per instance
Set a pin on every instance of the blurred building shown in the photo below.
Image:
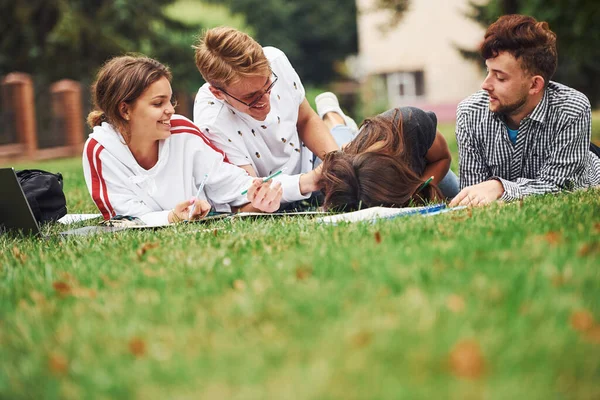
(418, 62)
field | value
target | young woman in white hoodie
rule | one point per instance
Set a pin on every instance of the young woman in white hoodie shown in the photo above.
(143, 160)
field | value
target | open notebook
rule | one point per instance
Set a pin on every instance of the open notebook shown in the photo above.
(369, 215)
(376, 213)
(120, 223)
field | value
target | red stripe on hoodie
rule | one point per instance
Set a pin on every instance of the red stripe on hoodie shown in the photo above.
(193, 129)
(97, 180)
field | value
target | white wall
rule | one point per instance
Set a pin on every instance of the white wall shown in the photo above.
(425, 39)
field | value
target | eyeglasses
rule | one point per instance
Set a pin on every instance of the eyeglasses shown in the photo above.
(260, 96)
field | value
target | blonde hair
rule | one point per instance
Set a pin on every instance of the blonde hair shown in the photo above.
(122, 79)
(225, 55)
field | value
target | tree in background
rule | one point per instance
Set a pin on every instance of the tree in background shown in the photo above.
(397, 7)
(57, 39)
(314, 34)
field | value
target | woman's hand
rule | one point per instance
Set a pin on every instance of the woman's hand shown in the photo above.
(265, 196)
(198, 208)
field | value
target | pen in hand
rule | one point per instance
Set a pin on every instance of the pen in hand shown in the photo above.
(200, 188)
(268, 178)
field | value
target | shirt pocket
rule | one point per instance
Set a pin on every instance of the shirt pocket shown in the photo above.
(499, 158)
(536, 159)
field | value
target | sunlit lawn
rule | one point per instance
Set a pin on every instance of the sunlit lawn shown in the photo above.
(501, 302)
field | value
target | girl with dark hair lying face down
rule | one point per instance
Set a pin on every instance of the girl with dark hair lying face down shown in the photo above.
(388, 163)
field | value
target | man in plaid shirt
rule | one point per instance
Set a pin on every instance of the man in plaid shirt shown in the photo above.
(523, 134)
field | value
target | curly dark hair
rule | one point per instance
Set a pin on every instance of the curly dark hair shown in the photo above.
(529, 41)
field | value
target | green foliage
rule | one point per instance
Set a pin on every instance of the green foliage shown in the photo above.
(283, 309)
(59, 39)
(397, 7)
(575, 23)
(314, 34)
(200, 13)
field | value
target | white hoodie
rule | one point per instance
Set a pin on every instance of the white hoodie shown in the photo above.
(119, 186)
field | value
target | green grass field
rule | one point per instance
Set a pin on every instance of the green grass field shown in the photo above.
(501, 302)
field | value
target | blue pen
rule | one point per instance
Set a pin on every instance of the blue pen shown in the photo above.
(268, 178)
(200, 188)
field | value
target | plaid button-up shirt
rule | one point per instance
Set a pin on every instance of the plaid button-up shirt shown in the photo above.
(552, 151)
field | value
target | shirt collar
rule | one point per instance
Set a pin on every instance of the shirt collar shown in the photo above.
(539, 112)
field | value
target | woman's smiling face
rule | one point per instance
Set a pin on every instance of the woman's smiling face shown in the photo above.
(150, 115)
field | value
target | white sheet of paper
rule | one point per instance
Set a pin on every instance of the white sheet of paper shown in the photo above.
(72, 218)
(374, 213)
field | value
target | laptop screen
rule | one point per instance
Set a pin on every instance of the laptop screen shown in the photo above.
(15, 213)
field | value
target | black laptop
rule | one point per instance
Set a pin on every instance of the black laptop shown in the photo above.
(15, 213)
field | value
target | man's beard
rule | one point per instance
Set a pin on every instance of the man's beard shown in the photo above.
(510, 109)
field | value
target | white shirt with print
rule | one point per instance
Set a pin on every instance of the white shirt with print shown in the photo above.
(268, 145)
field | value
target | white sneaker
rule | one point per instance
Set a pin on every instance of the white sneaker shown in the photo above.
(328, 102)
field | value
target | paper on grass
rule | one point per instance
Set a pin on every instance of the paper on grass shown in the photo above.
(72, 218)
(374, 213)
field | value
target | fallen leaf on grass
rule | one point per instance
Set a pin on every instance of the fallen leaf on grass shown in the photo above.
(553, 238)
(62, 288)
(361, 339)
(18, 255)
(558, 280)
(303, 273)
(137, 347)
(239, 285)
(455, 303)
(582, 320)
(466, 360)
(597, 227)
(587, 249)
(377, 237)
(58, 364)
(145, 247)
(593, 335)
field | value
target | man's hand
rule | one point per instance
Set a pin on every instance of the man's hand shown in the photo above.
(265, 196)
(478, 195)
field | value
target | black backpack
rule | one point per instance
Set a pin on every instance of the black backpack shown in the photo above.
(44, 192)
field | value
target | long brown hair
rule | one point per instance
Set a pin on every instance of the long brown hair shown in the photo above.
(373, 170)
(381, 134)
(122, 79)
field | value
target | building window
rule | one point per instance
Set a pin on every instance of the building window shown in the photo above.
(404, 87)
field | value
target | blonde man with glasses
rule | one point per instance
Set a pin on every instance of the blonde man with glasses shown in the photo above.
(253, 107)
